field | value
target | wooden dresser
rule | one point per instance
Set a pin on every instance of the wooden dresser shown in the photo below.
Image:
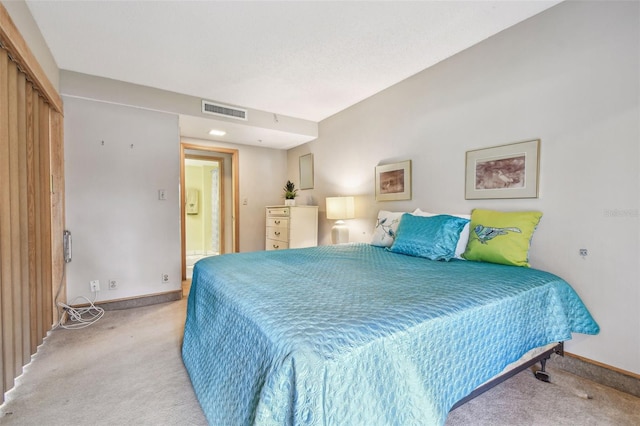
(291, 227)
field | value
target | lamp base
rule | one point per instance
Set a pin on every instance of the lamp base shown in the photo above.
(340, 233)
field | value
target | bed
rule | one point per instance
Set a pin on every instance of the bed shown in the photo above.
(356, 334)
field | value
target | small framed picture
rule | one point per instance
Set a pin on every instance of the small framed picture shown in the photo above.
(393, 181)
(506, 171)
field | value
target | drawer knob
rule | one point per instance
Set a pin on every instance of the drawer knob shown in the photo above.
(277, 232)
(277, 222)
(276, 246)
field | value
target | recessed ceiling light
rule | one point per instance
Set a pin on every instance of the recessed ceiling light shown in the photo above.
(215, 132)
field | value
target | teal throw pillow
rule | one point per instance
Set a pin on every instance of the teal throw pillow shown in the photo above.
(433, 238)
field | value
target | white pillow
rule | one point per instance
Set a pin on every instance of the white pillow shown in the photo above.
(386, 227)
(464, 234)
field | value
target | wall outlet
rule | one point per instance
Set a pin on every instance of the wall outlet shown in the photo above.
(165, 278)
(113, 284)
(94, 285)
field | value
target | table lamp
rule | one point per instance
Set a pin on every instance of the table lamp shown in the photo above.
(338, 209)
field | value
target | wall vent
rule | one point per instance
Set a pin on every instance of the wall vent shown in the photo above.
(223, 110)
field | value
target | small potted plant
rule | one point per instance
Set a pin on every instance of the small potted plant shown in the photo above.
(290, 194)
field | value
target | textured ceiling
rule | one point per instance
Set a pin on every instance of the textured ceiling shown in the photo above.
(307, 60)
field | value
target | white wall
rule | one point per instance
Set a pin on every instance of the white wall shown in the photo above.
(569, 77)
(121, 230)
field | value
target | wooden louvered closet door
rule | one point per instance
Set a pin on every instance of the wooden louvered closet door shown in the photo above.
(31, 204)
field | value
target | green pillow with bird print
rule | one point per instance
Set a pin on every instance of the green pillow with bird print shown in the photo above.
(501, 237)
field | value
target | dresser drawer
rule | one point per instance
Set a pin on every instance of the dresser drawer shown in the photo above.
(278, 222)
(291, 227)
(276, 245)
(277, 211)
(278, 233)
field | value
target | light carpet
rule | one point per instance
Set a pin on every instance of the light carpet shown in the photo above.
(127, 370)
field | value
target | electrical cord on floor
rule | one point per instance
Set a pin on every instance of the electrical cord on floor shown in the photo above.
(78, 317)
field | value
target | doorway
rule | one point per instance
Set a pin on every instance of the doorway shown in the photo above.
(209, 203)
(204, 183)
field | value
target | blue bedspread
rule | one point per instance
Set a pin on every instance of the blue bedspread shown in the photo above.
(356, 335)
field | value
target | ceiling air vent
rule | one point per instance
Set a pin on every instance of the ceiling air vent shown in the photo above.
(223, 110)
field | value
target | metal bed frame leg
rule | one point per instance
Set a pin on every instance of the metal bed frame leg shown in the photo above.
(542, 373)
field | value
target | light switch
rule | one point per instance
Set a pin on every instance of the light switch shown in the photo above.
(162, 194)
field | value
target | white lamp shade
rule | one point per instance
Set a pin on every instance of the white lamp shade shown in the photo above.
(339, 208)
